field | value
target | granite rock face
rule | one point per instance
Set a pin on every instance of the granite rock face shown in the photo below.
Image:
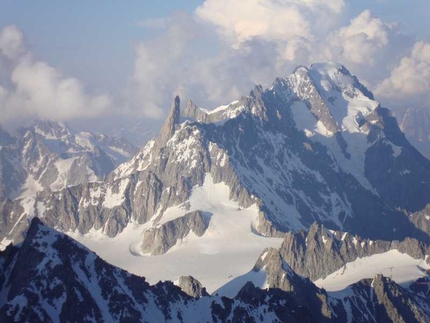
(280, 275)
(320, 252)
(192, 287)
(169, 127)
(421, 219)
(158, 240)
(382, 300)
(416, 126)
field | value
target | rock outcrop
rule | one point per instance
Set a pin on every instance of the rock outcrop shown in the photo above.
(158, 240)
(416, 126)
(320, 252)
(192, 287)
(169, 126)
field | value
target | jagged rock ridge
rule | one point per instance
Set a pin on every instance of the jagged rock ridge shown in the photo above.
(320, 252)
(49, 277)
(49, 155)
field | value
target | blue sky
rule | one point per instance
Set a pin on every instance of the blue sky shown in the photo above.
(94, 40)
(204, 54)
(87, 39)
(413, 14)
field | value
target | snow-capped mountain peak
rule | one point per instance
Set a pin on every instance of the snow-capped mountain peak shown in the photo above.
(49, 156)
(50, 129)
(282, 158)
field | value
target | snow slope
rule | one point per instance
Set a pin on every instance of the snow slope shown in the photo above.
(398, 266)
(355, 139)
(258, 278)
(227, 250)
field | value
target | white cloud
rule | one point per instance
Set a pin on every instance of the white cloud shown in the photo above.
(180, 62)
(159, 68)
(176, 63)
(361, 41)
(368, 46)
(240, 21)
(212, 56)
(11, 42)
(254, 42)
(232, 73)
(409, 82)
(37, 90)
(298, 49)
(307, 31)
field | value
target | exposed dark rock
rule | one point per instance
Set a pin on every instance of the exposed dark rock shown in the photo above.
(160, 239)
(320, 252)
(192, 287)
(168, 129)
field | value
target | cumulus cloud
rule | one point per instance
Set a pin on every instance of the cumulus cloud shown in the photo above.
(253, 43)
(232, 73)
(360, 41)
(240, 21)
(161, 67)
(409, 83)
(11, 42)
(368, 45)
(180, 61)
(216, 54)
(38, 90)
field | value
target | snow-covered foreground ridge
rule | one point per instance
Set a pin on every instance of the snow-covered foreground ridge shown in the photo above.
(67, 281)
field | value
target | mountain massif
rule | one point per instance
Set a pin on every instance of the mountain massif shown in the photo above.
(308, 176)
(314, 147)
(48, 156)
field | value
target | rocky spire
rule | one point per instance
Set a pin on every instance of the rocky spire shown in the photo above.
(190, 109)
(169, 126)
(194, 112)
(53, 128)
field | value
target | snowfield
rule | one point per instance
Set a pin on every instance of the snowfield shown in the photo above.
(400, 267)
(228, 249)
